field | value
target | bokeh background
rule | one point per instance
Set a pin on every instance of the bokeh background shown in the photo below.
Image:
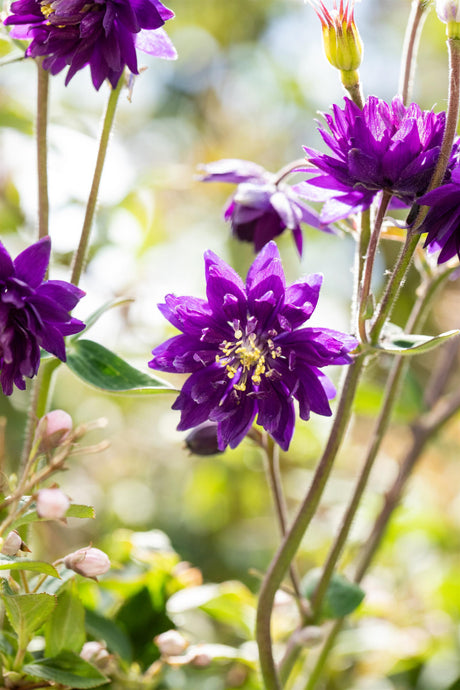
(249, 82)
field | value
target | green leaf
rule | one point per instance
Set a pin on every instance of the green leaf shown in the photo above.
(95, 316)
(69, 669)
(396, 342)
(101, 368)
(12, 563)
(27, 612)
(342, 596)
(76, 510)
(104, 629)
(65, 628)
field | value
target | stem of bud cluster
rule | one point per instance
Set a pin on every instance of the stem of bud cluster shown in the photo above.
(42, 148)
(80, 254)
(351, 82)
(418, 14)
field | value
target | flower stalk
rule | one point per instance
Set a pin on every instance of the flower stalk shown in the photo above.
(80, 254)
(42, 148)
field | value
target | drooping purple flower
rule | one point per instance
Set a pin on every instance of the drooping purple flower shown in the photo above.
(248, 352)
(33, 313)
(442, 222)
(263, 206)
(382, 147)
(103, 34)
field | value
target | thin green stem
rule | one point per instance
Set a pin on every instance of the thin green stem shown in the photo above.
(392, 391)
(80, 254)
(42, 148)
(317, 670)
(291, 542)
(365, 287)
(360, 260)
(418, 14)
(274, 481)
(286, 170)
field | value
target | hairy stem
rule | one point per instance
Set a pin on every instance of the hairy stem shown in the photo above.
(291, 542)
(80, 254)
(418, 14)
(42, 148)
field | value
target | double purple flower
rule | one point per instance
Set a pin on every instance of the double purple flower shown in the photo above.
(263, 206)
(383, 147)
(33, 313)
(103, 34)
(248, 352)
(442, 222)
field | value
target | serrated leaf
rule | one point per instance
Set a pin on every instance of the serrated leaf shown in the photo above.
(12, 563)
(76, 510)
(69, 669)
(95, 316)
(396, 342)
(99, 367)
(341, 598)
(27, 612)
(65, 628)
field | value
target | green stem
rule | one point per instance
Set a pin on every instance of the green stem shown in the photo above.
(360, 259)
(317, 670)
(392, 391)
(291, 542)
(274, 481)
(42, 148)
(80, 254)
(365, 287)
(418, 14)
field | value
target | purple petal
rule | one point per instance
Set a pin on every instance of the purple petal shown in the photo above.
(31, 264)
(156, 42)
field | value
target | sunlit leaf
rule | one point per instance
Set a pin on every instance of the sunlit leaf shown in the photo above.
(67, 669)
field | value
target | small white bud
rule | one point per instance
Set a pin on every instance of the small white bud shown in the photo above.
(11, 544)
(89, 562)
(52, 504)
(171, 643)
(94, 651)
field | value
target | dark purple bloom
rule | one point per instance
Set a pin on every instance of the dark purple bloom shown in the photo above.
(33, 314)
(247, 351)
(442, 221)
(263, 205)
(382, 147)
(103, 34)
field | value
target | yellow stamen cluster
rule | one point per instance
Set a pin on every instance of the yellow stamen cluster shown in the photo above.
(246, 353)
(47, 9)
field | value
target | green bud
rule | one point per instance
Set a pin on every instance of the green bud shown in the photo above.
(342, 42)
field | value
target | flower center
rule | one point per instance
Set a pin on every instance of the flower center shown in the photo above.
(46, 9)
(247, 355)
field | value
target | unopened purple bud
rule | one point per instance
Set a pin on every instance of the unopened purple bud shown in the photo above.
(171, 643)
(52, 504)
(53, 428)
(202, 440)
(12, 543)
(89, 562)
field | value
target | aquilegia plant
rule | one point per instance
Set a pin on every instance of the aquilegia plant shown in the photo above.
(248, 363)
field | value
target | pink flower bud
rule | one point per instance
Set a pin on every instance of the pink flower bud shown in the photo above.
(52, 504)
(12, 544)
(88, 562)
(94, 651)
(53, 428)
(171, 643)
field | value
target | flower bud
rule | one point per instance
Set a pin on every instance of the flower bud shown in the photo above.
(94, 651)
(448, 12)
(171, 643)
(89, 562)
(52, 504)
(53, 428)
(341, 39)
(202, 440)
(11, 544)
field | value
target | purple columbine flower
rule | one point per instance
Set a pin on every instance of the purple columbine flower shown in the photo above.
(33, 314)
(103, 34)
(263, 205)
(382, 147)
(248, 352)
(442, 222)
